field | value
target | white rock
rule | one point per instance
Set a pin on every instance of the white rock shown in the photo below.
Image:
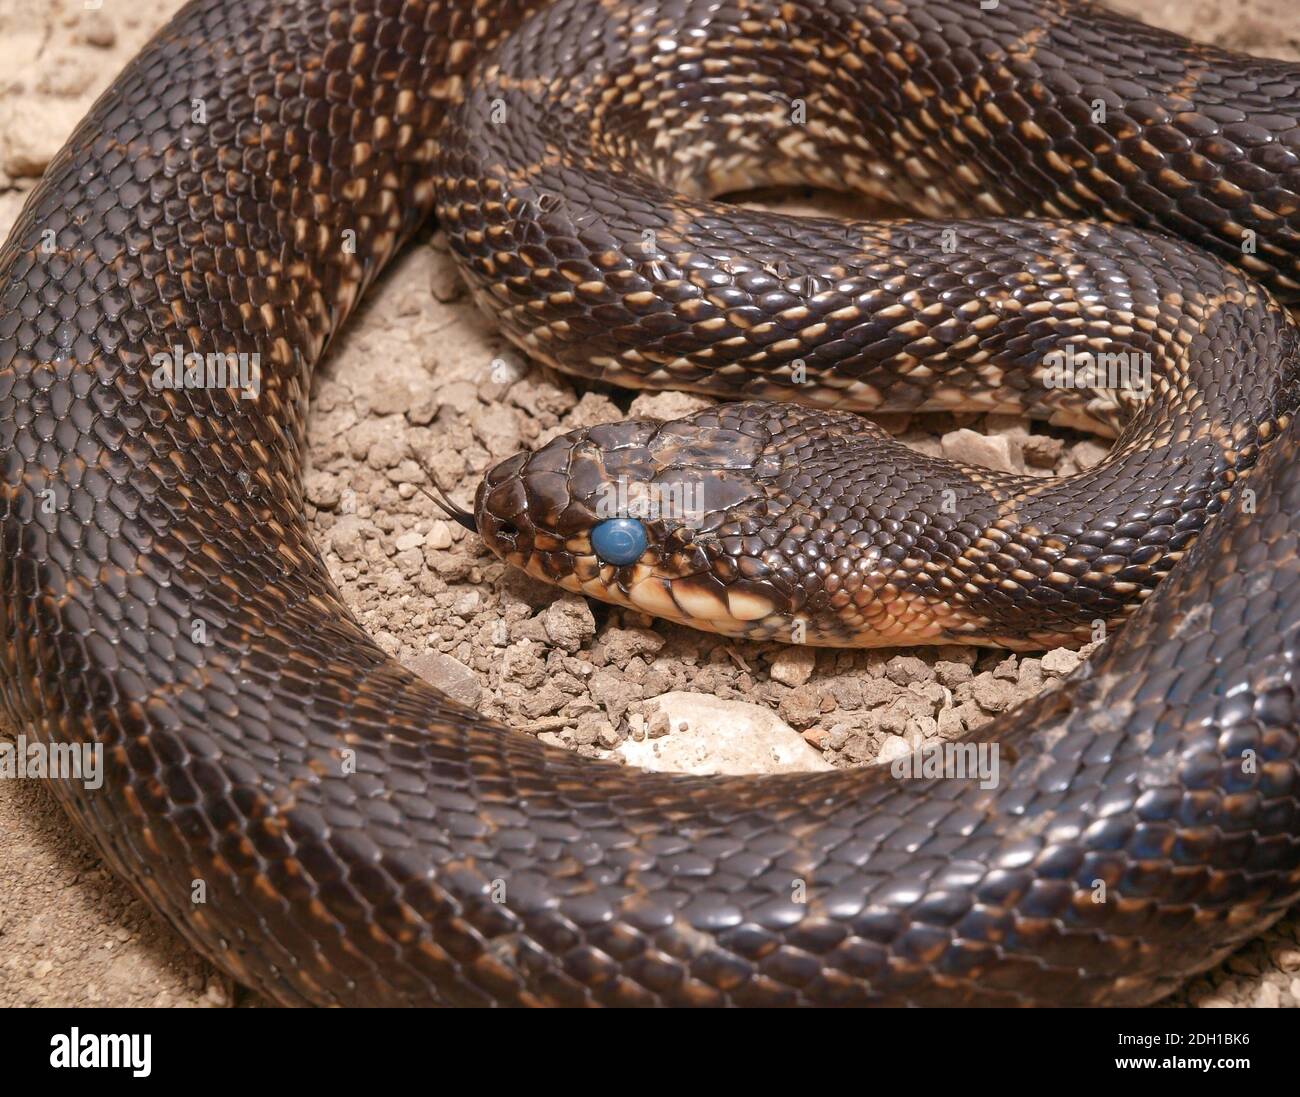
(467, 604)
(1061, 661)
(439, 536)
(894, 746)
(793, 666)
(996, 451)
(729, 737)
(409, 540)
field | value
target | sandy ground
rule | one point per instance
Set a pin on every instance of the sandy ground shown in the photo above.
(414, 371)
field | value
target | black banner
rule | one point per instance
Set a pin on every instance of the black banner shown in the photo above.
(1051, 1051)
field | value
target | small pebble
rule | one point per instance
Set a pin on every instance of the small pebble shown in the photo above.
(793, 666)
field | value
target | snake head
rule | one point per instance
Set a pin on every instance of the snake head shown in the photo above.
(633, 513)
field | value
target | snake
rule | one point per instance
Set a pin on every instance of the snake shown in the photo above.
(329, 829)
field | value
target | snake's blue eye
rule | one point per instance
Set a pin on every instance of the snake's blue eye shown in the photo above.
(619, 541)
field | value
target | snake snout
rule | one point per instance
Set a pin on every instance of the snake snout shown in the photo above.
(501, 510)
(541, 507)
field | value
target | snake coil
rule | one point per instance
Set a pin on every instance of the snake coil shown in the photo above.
(1166, 769)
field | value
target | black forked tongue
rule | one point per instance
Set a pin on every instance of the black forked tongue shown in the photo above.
(442, 501)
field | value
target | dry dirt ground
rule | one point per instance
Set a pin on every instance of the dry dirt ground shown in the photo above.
(414, 372)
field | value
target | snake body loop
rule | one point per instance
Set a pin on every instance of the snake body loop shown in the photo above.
(351, 825)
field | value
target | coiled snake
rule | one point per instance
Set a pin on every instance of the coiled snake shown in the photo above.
(572, 170)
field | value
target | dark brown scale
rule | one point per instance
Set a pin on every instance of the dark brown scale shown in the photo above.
(225, 759)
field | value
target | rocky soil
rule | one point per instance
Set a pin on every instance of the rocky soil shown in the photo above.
(420, 372)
